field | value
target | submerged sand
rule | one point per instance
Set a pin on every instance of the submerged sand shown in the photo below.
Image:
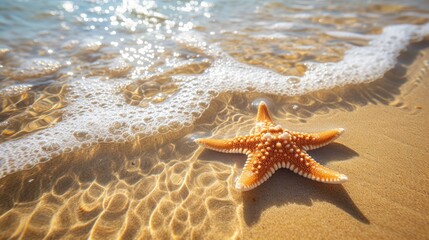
(167, 187)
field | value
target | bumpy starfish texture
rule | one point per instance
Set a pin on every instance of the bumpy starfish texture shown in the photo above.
(270, 147)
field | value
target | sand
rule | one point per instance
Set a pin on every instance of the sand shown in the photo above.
(385, 154)
(167, 187)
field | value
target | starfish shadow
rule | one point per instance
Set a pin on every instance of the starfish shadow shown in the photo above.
(333, 152)
(285, 187)
(288, 188)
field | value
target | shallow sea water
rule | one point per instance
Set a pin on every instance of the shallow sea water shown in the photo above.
(100, 102)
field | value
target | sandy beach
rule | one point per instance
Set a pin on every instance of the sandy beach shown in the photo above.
(101, 103)
(157, 189)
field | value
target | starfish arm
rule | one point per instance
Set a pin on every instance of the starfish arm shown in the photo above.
(240, 144)
(263, 119)
(263, 113)
(309, 141)
(306, 166)
(256, 170)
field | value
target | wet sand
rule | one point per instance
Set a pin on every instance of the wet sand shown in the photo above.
(167, 187)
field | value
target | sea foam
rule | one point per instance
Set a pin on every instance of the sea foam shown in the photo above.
(96, 112)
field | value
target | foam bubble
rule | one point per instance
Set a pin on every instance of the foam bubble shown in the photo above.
(97, 113)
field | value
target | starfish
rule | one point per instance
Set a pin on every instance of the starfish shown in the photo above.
(270, 147)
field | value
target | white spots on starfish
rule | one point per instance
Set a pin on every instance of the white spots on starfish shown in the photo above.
(275, 129)
(284, 136)
(259, 126)
(341, 178)
(292, 167)
(311, 147)
(267, 136)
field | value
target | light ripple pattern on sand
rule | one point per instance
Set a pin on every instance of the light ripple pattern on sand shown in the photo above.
(152, 195)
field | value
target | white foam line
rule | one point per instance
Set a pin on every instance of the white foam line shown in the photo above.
(95, 106)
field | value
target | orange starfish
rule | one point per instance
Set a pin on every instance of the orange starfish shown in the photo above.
(271, 147)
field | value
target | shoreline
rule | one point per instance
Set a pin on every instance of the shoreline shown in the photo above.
(175, 189)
